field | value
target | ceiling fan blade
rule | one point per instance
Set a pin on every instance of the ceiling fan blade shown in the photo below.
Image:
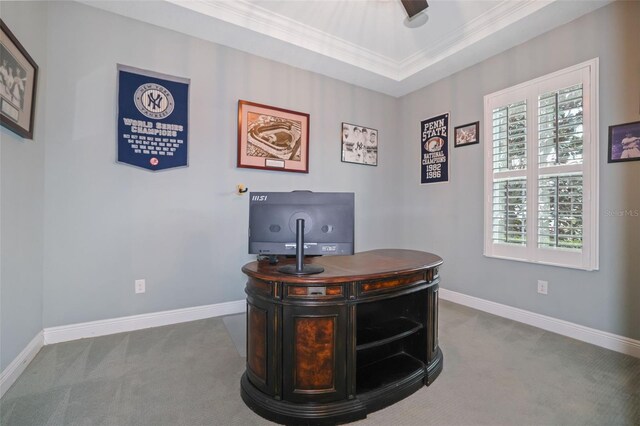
(413, 7)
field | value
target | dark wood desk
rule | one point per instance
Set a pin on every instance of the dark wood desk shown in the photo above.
(332, 347)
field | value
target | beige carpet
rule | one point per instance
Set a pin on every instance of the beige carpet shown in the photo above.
(496, 372)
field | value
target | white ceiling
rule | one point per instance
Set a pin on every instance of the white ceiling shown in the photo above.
(364, 42)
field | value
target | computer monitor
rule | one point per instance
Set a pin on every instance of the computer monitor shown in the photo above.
(328, 222)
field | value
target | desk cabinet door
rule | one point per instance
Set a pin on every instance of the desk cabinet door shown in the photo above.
(432, 324)
(314, 349)
(261, 368)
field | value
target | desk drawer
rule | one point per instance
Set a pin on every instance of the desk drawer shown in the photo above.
(390, 284)
(315, 292)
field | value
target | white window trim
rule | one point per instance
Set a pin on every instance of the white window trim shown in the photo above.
(588, 257)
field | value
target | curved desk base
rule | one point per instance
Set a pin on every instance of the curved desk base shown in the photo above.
(284, 412)
(332, 347)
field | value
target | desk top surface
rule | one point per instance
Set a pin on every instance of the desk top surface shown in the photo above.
(367, 265)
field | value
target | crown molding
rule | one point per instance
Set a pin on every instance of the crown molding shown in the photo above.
(253, 17)
(253, 29)
(497, 18)
(266, 22)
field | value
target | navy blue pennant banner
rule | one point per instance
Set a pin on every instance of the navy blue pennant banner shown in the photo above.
(153, 119)
(434, 142)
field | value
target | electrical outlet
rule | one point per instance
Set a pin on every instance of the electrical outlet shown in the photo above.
(543, 287)
(140, 286)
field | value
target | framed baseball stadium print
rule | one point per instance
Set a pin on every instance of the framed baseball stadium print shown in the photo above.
(272, 138)
(624, 142)
(18, 77)
(359, 144)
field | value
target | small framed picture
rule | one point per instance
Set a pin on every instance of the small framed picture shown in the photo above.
(624, 142)
(359, 144)
(18, 77)
(272, 138)
(469, 134)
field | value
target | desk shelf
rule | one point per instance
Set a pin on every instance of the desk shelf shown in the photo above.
(386, 332)
(391, 347)
(387, 372)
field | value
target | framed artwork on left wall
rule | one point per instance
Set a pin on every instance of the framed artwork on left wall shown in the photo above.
(18, 78)
(272, 138)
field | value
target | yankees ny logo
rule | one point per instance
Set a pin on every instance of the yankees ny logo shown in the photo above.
(154, 101)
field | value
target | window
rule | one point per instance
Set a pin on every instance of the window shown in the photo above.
(541, 170)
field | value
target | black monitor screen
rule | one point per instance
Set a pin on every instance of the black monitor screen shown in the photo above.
(328, 222)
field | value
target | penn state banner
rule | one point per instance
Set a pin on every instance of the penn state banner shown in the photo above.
(153, 119)
(434, 142)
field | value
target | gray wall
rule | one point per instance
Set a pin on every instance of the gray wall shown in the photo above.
(448, 218)
(184, 231)
(21, 200)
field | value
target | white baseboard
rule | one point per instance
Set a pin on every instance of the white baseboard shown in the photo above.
(83, 330)
(611, 341)
(10, 374)
(66, 333)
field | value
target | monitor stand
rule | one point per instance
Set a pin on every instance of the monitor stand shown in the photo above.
(300, 268)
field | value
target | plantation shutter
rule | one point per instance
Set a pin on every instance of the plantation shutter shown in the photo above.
(509, 209)
(560, 144)
(541, 170)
